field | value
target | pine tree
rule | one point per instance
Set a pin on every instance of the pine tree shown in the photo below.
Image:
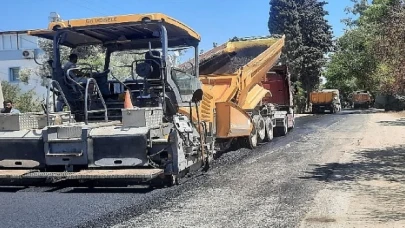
(308, 38)
(317, 41)
(284, 19)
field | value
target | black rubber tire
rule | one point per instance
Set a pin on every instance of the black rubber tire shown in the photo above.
(314, 111)
(252, 140)
(292, 127)
(167, 181)
(282, 131)
(269, 129)
(261, 126)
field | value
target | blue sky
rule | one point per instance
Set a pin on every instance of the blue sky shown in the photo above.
(215, 20)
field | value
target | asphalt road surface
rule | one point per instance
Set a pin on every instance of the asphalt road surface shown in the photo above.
(266, 187)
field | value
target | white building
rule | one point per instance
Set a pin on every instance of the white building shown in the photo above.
(17, 50)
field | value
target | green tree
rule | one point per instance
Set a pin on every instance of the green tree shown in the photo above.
(358, 8)
(389, 17)
(316, 39)
(23, 101)
(369, 54)
(352, 63)
(284, 19)
(308, 39)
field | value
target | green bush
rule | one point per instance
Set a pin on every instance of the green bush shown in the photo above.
(23, 101)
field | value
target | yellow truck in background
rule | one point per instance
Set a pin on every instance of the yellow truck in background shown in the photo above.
(361, 99)
(327, 99)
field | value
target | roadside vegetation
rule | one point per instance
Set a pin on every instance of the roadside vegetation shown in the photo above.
(23, 101)
(369, 56)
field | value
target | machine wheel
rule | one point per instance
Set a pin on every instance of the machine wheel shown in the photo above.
(260, 126)
(166, 181)
(173, 180)
(293, 124)
(315, 110)
(251, 141)
(269, 130)
(282, 131)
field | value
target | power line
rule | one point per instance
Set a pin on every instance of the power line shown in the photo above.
(89, 8)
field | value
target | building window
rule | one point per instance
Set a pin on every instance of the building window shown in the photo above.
(14, 74)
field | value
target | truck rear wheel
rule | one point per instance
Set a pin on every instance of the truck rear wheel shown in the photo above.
(293, 124)
(314, 111)
(260, 126)
(251, 140)
(269, 130)
(283, 130)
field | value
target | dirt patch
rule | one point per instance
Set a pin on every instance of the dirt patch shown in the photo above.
(382, 184)
(367, 185)
(399, 114)
(320, 220)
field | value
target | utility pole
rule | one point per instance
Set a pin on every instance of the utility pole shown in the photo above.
(1, 95)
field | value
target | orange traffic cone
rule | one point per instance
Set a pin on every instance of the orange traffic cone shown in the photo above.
(127, 100)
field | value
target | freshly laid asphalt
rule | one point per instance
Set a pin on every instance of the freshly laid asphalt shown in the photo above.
(244, 188)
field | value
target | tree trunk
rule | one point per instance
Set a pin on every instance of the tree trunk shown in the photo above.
(308, 101)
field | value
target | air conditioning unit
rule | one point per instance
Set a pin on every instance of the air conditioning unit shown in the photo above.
(28, 54)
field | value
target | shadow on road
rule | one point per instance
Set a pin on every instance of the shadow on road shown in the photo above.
(398, 122)
(11, 189)
(376, 174)
(361, 111)
(388, 163)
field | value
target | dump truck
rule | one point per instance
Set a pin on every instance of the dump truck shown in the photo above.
(240, 75)
(278, 82)
(361, 99)
(170, 121)
(325, 100)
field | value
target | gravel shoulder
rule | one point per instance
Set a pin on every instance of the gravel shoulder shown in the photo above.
(365, 187)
